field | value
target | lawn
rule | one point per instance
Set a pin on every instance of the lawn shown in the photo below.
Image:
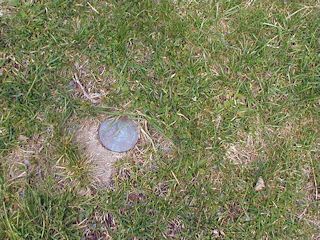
(232, 85)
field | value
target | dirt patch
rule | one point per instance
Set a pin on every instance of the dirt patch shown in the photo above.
(101, 160)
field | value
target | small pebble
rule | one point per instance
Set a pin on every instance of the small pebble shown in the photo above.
(26, 162)
(260, 185)
(72, 85)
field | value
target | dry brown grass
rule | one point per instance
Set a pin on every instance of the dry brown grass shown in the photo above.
(246, 150)
(139, 51)
(253, 146)
(174, 229)
(27, 159)
(98, 225)
(89, 81)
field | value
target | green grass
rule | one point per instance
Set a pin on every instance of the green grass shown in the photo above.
(211, 75)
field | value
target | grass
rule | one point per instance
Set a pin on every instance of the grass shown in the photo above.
(234, 84)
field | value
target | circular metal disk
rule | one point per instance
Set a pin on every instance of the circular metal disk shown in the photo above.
(118, 135)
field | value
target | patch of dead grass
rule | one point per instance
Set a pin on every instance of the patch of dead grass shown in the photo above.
(293, 131)
(28, 158)
(5, 9)
(246, 150)
(309, 172)
(98, 225)
(90, 81)
(139, 51)
(174, 229)
(251, 147)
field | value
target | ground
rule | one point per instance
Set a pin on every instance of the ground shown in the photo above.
(232, 87)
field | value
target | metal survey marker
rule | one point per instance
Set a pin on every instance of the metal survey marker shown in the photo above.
(118, 134)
